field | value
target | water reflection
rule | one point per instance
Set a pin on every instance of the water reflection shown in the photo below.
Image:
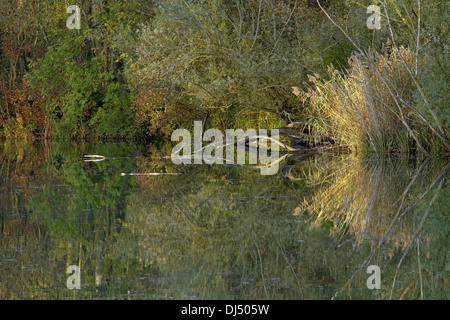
(217, 232)
(394, 206)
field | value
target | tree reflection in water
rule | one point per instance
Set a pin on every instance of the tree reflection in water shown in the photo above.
(218, 232)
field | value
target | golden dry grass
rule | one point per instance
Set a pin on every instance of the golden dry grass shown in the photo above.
(371, 107)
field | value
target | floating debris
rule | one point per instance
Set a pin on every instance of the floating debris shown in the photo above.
(94, 157)
(150, 174)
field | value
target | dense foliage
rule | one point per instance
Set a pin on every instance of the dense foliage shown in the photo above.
(139, 69)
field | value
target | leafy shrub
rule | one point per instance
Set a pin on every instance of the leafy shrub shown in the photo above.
(229, 62)
(82, 99)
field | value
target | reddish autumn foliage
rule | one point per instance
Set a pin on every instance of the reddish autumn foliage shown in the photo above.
(20, 106)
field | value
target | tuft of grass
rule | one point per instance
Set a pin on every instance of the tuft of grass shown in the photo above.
(370, 108)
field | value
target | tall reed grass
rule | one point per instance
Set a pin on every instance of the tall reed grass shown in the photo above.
(370, 108)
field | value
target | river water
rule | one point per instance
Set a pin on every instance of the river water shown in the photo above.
(219, 232)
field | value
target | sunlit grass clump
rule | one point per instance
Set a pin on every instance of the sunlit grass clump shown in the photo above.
(373, 107)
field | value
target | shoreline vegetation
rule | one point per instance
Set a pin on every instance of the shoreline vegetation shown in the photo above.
(138, 70)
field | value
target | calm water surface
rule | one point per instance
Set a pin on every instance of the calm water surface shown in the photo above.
(219, 232)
